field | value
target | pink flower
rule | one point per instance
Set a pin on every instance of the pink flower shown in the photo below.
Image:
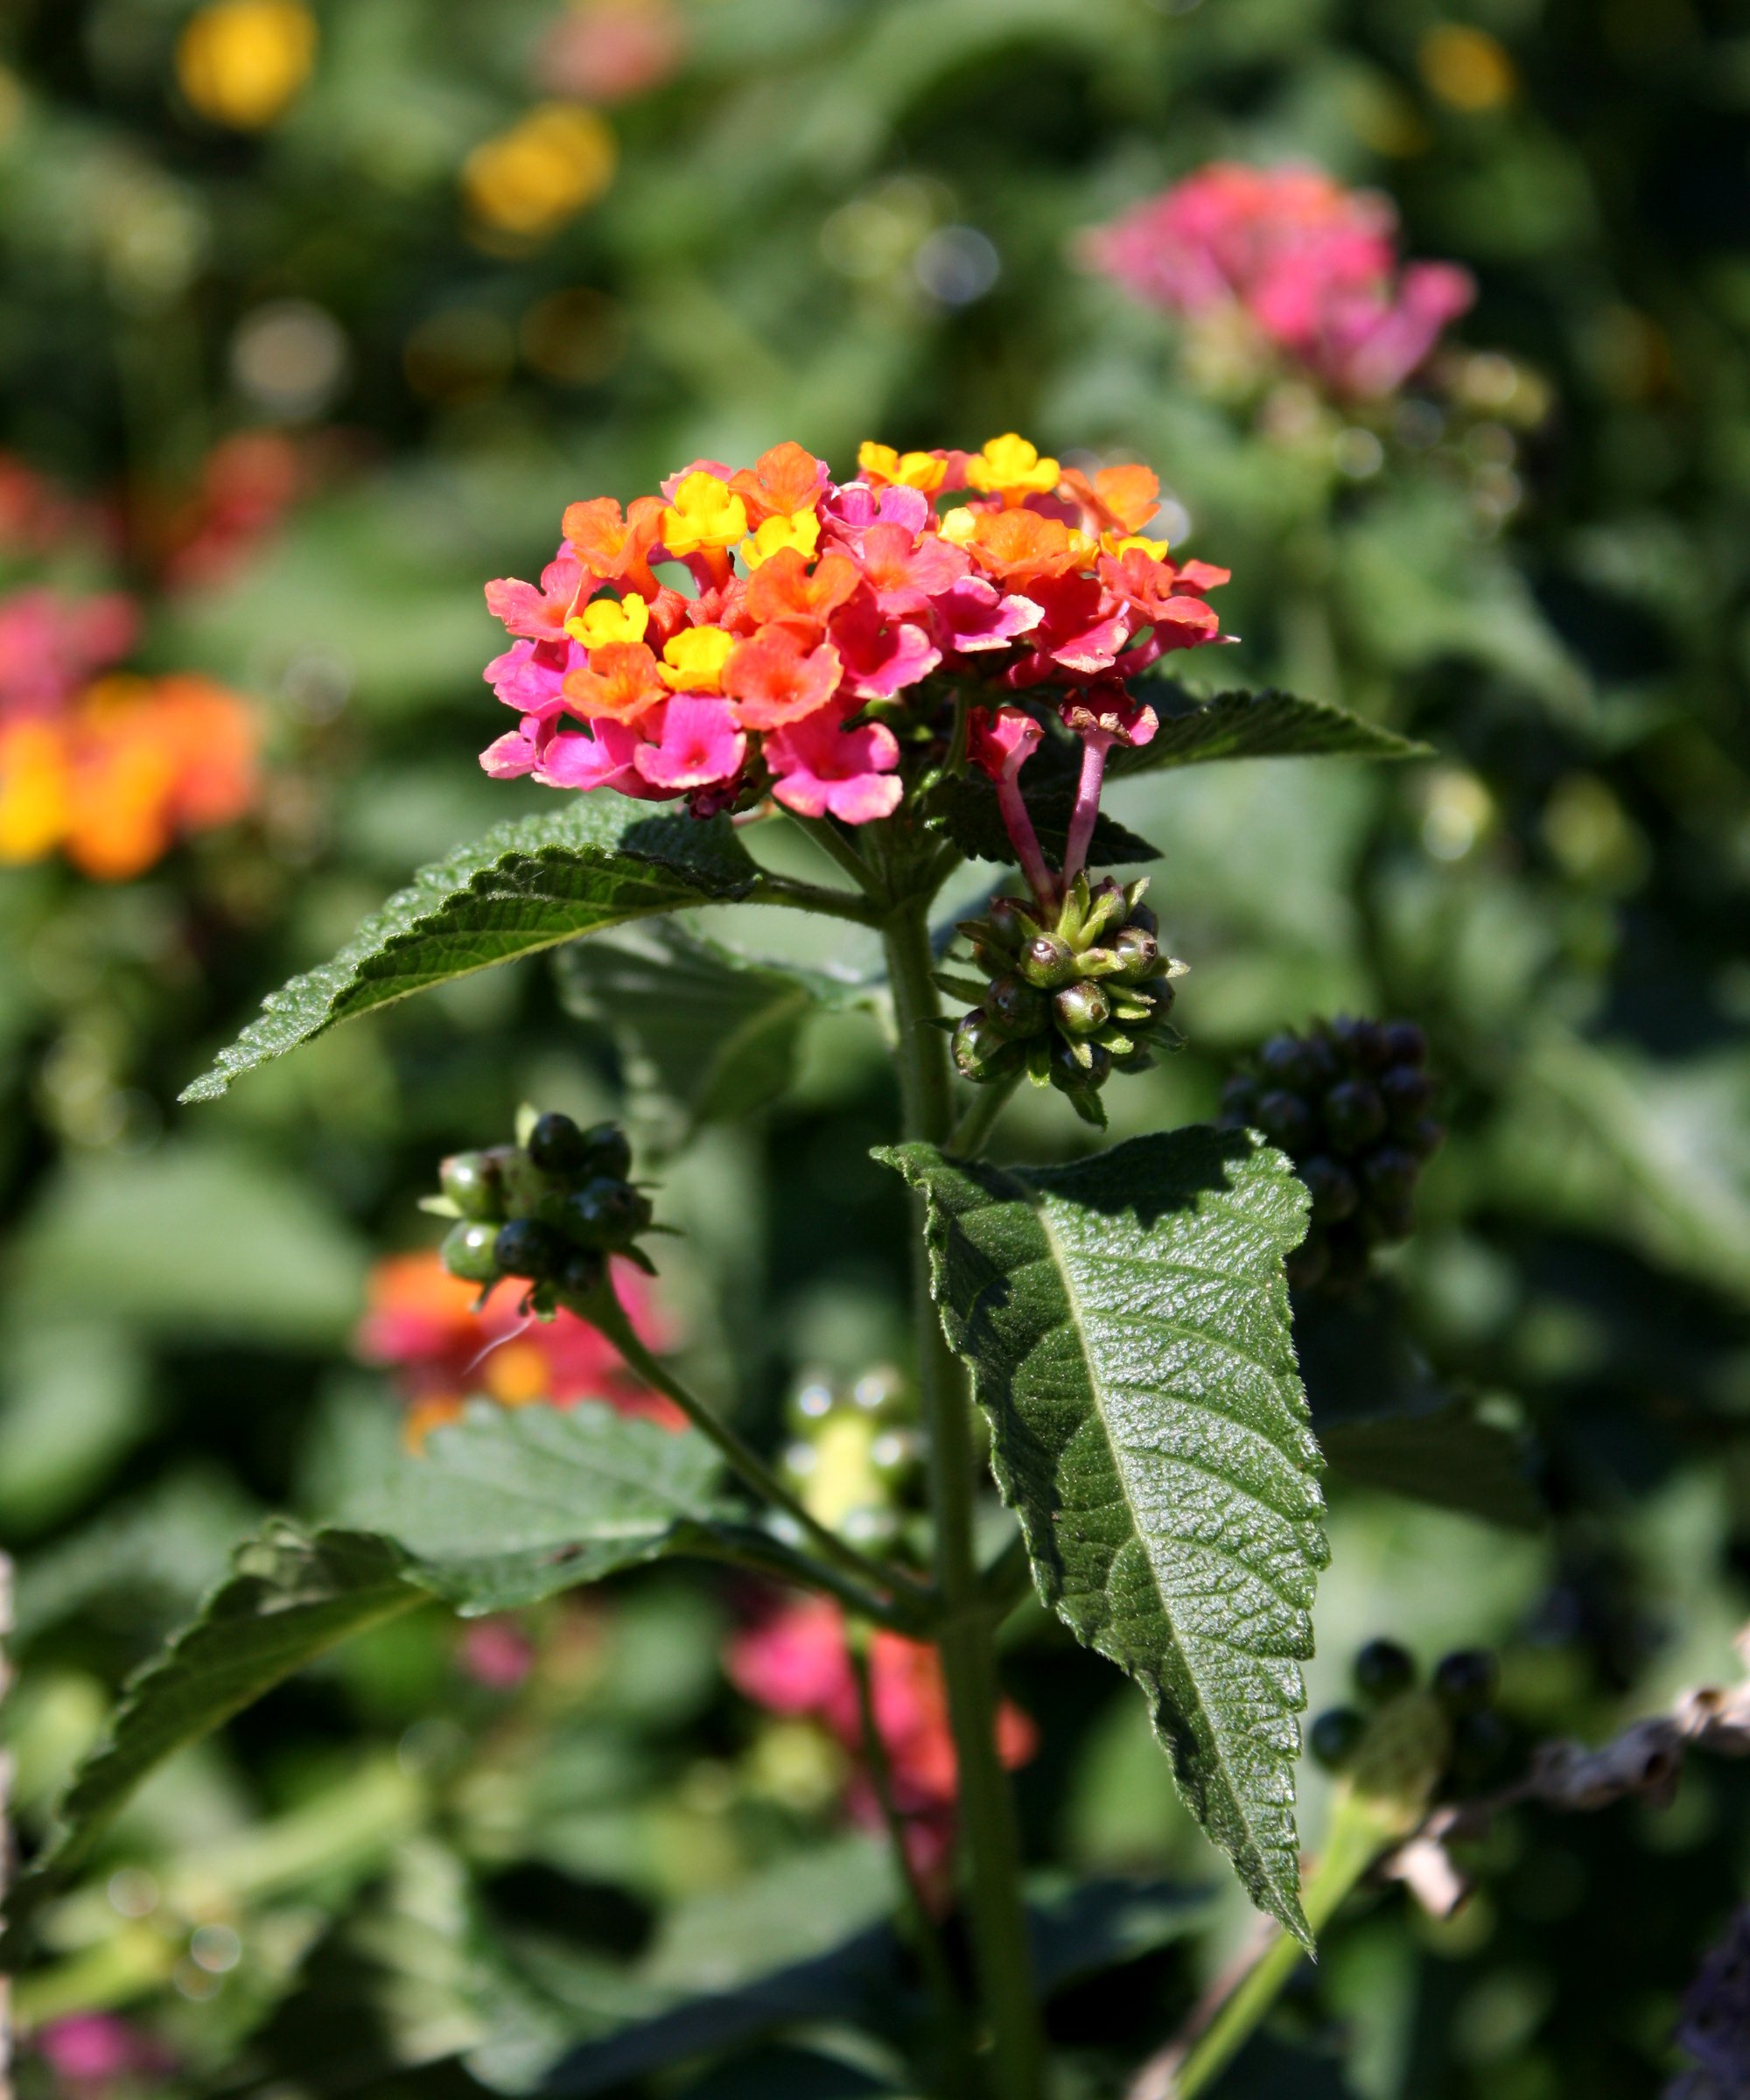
(52, 643)
(496, 1653)
(881, 659)
(974, 616)
(698, 744)
(603, 756)
(540, 614)
(1081, 630)
(823, 770)
(90, 2052)
(518, 751)
(1311, 265)
(774, 678)
(530, 676)
(906, 570)
(855, 508)
(1001, 744)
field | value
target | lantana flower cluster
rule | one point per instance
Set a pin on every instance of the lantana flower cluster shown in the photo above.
(108, 767)
(444, 1344)
(767, 629)
(1306, 267)
(796, 1662)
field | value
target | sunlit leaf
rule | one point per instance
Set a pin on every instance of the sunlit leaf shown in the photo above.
(595, 861)
(1127, 1323)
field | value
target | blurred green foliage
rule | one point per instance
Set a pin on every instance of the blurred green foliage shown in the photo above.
(839, 220)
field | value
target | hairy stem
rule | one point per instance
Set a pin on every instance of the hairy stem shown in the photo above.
(814, 897)
(833, 843)
(992, 1849)
(1081, 821)
(968, 1137)
(920, 1926)
(604, 1311)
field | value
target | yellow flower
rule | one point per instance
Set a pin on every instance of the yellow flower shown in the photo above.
(610, 620)
(1011, 468)
(909, 470)
(1122, 543)
(801, 531)
(693, 662)
(543, 171)
(34, 802)
(707, 513)
(241, 62)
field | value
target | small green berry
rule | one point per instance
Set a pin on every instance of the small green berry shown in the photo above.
(1081, 1009)
(468, 1251)
(470, 1180)
(1138, 952)
(1047, 960)
(982, 1051)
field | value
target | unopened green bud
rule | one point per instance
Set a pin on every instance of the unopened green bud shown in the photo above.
(1047, 960)
(1081, 1009)
(604, 1216)
(1007, 918)
(468, 1251)
(982, 1051)
(1014, 1006)
(470, 1180)
(524, 1190)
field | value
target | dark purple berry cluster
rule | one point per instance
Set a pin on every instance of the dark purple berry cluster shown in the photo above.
(1349, 1101)
(1073, 996)
(550, 1210)
(1479, 1743)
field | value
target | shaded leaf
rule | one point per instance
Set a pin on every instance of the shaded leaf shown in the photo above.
(595, 861)
(705, 1034)
(1127, 1323)
(1383, 1419)
(508, 1506)
(288, 1599)
(966, 808)
(1267, 725)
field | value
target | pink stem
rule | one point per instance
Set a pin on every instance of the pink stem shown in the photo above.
(1094, 746)
(1024, 839)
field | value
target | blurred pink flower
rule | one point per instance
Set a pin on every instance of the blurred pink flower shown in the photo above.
(1312, 267)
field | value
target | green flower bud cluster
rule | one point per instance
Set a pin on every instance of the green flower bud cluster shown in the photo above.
(550, 1210)
(855, 1456)
(1348, 1103)
(1477, 1743)
(1071, 999)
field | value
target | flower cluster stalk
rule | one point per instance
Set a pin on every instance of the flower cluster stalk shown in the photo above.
(965, 1632)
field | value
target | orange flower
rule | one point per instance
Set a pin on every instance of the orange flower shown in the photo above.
(783, 588)
(620, 683)
(1118, 499)
(780, 482)
(614, 546)
(775, 678)
(1010, 545)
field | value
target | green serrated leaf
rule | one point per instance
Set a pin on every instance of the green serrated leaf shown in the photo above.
(506, 1507)
(595, 861)
(1127, 1323)
(1267, 724)
(705, 1033)
(503, 1508)
(288, 1598)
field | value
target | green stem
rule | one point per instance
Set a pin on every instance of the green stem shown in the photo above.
(920, 1929)
(1354, 1843)
(604, 1311)
(833, 843)
(975, 1127)
(814, 897)
(986, 1807)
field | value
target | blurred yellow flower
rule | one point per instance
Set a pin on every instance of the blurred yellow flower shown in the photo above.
(241, 62)
(544, 170)
(1466, 68)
